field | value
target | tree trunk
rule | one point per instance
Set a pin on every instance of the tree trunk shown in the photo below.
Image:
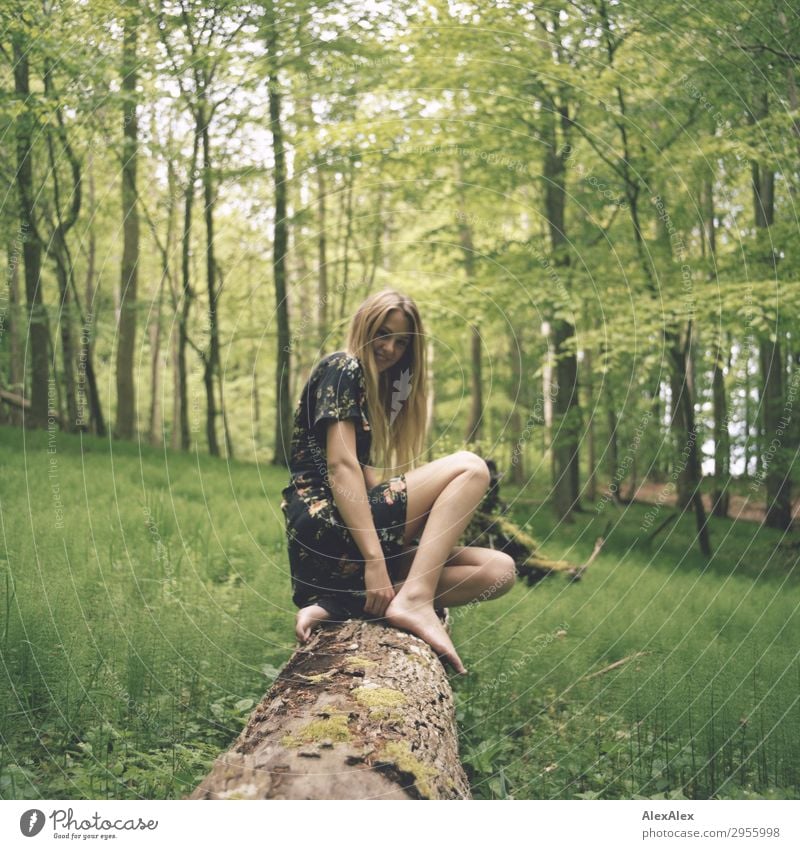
(566, 410)
(775, 430)
(283, 401)
(472, 432)
(591, 436)
(430, 412)
(350, 180)
(778, 429)
(16, 364)
(37, 332)
(86, 353)
(69, 358)
(720, 498)
(613, 438)
(126, 390)
(361, 712)
(154, 426)
(188, 296)
(517, 397)
(211, 363)
(681, 473)
(690, 449)
(722, 450)
(475, 422)
(322, 250)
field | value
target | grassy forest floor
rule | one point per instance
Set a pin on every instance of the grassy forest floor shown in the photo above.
(145, 608)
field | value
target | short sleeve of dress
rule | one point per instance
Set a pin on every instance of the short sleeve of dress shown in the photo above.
(340, 390)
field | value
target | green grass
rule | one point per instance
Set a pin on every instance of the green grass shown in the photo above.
(710, 708)
(145, 606)
(137, 636)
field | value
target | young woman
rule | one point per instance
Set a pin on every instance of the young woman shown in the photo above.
(350, 532)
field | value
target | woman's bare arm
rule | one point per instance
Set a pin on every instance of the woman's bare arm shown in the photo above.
(348, 485)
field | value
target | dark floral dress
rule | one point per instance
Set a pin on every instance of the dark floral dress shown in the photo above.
(326, 565)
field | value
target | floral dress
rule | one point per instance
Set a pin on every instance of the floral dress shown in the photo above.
(326, 565)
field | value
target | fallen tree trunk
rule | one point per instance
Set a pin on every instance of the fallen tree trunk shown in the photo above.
(362, 711)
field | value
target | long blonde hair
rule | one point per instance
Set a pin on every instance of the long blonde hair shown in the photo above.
(397, 445)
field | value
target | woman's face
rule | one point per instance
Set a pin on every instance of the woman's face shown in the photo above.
(392, 339)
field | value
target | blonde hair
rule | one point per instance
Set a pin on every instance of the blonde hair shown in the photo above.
(397, 445)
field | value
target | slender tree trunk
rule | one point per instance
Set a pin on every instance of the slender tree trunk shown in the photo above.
(154, 427)
(376, 243)
(776, 429)
(211, 362)
(591, 437)
(474, 426)
(681, 471)
(566, 410)
(86, 354)
(431, 409)
(474, 429)
(690, 453)
(67, 347)
(188, 294)
(516, 395)
(348, 235)
(721, 495)
(34, 416)
(283, 418)
(126, 390)
(613, 439)
(322, 251)
(225, 427)
(747, 423)
(16, 363)
(60, 249)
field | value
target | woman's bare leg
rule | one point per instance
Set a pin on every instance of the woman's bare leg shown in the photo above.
(471, 574)
(461, 480)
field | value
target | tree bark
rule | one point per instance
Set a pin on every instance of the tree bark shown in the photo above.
(188, 297)
(362, 712)
(517, 397)
(211, 360)
(566, 410)
(16, 363)
(720, 498)
(283, 417)
(775, 468)
(430, 412)
(60, 249)
(126, 390)
(591, 436)
(685, 403)
(86, 353)
(37, 330)
(322, 252)
(472, 432)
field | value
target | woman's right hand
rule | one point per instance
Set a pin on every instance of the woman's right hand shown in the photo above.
(379, 587)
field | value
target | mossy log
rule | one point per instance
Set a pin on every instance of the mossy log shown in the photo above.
(362, 711)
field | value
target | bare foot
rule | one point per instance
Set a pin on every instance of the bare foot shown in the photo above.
(420, 619)
(307, 619)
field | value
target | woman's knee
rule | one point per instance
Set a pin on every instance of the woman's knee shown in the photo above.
(469, 461)
(502, 572)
